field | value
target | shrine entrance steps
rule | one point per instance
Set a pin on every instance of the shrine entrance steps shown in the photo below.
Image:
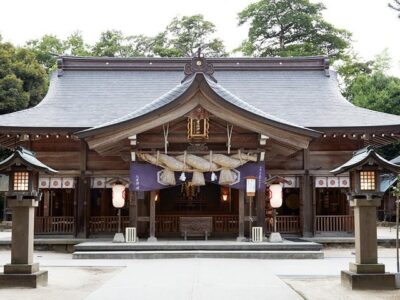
(288, 249)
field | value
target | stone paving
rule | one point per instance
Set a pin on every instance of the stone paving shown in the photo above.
(197, 278)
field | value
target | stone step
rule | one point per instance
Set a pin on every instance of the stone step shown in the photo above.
(198, 254)
(197, 246)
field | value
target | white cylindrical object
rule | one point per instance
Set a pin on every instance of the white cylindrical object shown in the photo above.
(118, 195)
(275, 195)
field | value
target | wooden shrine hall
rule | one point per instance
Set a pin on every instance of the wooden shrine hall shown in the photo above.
(185, 133)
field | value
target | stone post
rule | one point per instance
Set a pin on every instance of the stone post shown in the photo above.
(23, 271)
(366, 272)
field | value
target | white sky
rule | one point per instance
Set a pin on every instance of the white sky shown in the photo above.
(374, 26)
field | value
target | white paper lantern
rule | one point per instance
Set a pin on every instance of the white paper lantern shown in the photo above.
(275, 195)
(118, 195)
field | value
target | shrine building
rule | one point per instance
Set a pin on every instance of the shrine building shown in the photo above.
(184, 134)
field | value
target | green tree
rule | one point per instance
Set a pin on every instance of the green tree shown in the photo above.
(351, 67)
(46, 49)
(183, 36)
(290, 28)
(395, 4)
(23, 81)
(114, 43)
(366, 84)
(75, 45)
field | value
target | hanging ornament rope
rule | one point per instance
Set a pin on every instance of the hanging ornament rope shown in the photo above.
(166, 131)
(229, 129)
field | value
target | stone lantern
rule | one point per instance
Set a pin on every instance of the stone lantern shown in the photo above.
(366, 168)
(23, 195)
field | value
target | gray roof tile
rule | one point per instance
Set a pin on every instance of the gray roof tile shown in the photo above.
(85, 99)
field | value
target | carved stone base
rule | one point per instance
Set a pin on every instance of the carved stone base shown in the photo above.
(152, 239)
(119, 238)
(241, 239)
(275, 237)
(21, 268)
(385, 281)
(24, 280)
(367, 268)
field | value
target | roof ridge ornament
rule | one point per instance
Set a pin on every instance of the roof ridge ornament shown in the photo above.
(198, 64)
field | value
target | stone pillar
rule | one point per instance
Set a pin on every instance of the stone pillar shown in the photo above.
(241, 237)
(22, 271)
(366, 272)
(152, 228)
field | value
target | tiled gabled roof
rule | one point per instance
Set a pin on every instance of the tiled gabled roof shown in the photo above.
(89, 92)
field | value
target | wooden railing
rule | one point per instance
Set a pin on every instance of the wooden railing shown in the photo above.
(106, 224)
(167, 223)
(340, 223)
(226, 223)
(54, 225)
(221, 223)
(284, 224)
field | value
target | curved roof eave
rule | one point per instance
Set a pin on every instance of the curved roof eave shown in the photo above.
(184, 87)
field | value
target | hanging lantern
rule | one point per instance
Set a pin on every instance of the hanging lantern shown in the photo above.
(275, 195)
(118, 195)
(250, 186)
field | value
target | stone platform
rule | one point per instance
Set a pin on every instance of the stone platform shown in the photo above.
(33, 280)
(198, 249)
(384, 281)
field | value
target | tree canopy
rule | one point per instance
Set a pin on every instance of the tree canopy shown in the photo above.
(23, 81)
(183, 36)
(290, 28)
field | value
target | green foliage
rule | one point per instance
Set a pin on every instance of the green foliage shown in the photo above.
(366, 84)
(23, 81)
(183, 36)
(113, 43)
(75, 45)
(46, 50)
(290, 28)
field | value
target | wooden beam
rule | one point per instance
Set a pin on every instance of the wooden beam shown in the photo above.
(83, 188)
(306, 196)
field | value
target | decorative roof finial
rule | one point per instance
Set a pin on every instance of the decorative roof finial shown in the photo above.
(198, 64)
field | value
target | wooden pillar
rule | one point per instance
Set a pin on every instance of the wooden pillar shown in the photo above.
(260, 205)
(241, 237)
(307, 197)
(83, 186)
(152, 228)
(46, 203)
(133, 209)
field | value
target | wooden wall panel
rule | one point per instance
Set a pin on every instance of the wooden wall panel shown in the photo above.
(328, 160)
(97, 162)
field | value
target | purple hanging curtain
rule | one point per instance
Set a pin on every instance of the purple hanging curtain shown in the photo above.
(144, 176)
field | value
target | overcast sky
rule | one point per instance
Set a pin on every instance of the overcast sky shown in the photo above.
(374, 26)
